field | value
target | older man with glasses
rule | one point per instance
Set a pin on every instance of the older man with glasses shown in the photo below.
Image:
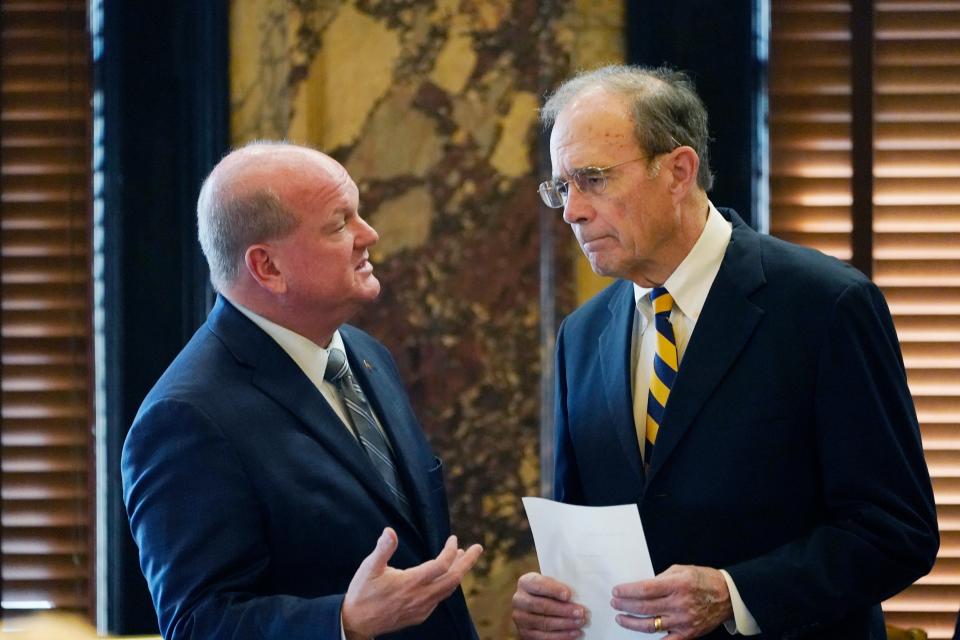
(748, 395)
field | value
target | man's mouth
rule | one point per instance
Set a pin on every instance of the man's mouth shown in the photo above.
(593, 243)
(364, 266)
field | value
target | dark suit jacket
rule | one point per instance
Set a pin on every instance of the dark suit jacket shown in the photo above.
(789, 453)
(252, 504)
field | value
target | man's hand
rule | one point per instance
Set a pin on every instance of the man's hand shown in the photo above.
(382, 599)
(690, 602)
(542, 609)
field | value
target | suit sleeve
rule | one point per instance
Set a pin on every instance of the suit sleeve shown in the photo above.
(196, 520)
(879, 530)
(566, 483)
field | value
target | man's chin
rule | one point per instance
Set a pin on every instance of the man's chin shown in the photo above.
(370, 289)
(601, 268)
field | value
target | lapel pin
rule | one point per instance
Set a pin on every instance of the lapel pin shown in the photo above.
(368, 366)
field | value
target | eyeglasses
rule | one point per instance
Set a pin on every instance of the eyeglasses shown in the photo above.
(593, 180)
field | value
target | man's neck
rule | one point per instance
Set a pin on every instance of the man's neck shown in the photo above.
(317, 331)
(693, 219)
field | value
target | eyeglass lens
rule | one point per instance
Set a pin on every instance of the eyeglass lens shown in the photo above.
(588, 180)
(553, 193)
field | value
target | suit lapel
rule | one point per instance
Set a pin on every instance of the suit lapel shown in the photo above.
(279, 377)
(727, 321)
(614, 353)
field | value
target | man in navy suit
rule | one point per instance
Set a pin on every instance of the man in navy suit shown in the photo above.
(266, 494)
(748, 395)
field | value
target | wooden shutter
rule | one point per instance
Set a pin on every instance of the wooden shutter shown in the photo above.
(915, 219)
(916, 255)
(809, 84)
(45, 522)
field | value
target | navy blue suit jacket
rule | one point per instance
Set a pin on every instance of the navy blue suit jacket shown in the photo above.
(789, 453)
(251, 503)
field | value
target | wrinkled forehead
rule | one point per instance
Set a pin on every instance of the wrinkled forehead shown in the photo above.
(596, 129)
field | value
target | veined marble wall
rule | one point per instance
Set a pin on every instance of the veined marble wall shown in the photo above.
(432, 107)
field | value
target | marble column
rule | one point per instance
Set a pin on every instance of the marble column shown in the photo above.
(432, 107)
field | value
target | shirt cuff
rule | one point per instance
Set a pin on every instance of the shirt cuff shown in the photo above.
(743, 622)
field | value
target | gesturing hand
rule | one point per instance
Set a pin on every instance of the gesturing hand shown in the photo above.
(381, 599)
(690, 602)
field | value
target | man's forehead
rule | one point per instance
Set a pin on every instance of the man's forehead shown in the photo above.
(591, 131)
(270, 162)
(329, 188)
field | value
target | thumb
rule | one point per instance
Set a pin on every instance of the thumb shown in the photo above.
(376, 562)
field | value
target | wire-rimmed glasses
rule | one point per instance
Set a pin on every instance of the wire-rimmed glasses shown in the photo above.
(554, 192)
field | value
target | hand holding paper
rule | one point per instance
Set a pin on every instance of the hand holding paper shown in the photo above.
(588, 550)
(690, 601)
(542, 609)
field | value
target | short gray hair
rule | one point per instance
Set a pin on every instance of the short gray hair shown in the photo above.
(664, 102)
(229, 220)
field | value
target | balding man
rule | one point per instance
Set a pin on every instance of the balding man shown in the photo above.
(276, 467)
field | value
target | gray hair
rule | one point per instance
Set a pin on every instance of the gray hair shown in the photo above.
(664, 102)
(230, 219)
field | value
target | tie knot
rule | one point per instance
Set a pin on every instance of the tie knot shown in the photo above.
(336, 365)
(661, 299)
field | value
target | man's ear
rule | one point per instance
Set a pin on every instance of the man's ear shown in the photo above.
(684, 165)
(263, 269)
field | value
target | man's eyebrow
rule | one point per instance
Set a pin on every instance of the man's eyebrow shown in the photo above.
(567, 177)
(589, 167)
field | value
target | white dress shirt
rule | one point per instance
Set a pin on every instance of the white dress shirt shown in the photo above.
(688, 285)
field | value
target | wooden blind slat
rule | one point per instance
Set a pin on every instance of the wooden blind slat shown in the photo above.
(44, 325)
(42, 542)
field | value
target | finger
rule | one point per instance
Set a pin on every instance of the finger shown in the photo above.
(658, 587)
(649, 607)
(541, 606)
(646, 625)
(533, 634)
(464, 562)
(540, 585)
(529, 621)
(432, 569)
(446, 584)
(376, 562)
(466, 559)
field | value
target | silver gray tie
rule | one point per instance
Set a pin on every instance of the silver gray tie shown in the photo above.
(365, 427)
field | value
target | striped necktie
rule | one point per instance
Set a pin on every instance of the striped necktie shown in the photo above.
(371, 438)
(665, 364)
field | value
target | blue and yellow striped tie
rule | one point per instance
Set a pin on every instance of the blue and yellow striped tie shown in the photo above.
(665, 364)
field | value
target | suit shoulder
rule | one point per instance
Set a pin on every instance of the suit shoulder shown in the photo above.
(201, 374)
(598, 307)
(807, 269)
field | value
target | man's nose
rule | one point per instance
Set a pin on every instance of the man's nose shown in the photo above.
(366, 235)
(577, 209)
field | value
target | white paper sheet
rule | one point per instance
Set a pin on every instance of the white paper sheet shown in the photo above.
(592, 549)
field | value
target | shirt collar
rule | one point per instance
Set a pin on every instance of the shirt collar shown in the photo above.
(309, 356)
(690, 282)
